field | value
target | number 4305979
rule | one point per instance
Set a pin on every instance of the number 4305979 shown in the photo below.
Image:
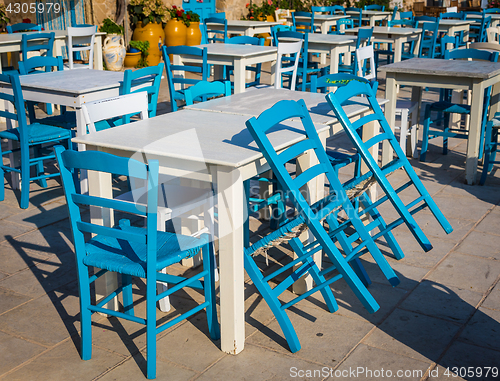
(471, 371)
(33, 8)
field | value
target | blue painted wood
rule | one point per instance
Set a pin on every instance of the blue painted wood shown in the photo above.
(303, 26)
(312, 216)
(199, 53)
(342, 96)
(202, 8)
(206, 89)
(363, 39)
(131, 251)
(491, 146)
(23, 26)
(245, 40)
(215, 35)
(28, 136)
(356, 17)
(446, 107)
(346, 23)
(146, 79)
(45, 42)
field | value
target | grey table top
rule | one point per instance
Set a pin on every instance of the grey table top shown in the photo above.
(387, 30)
(76, 82)
(237, 50)
(325, 38)
(451, 68)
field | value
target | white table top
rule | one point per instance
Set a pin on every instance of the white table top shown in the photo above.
(370, 12)
(76, 82)
(319, 17)
(237, 50)
(494, 16)
(455, 22)
(17, 37)
(221, 139)
(453, 68)
(320, 38)
(386, 30)
(250, 23)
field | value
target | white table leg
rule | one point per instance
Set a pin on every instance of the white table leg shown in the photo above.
(324, 30)
(474, 133)
(81, 129)
(231, 209)
(398, 48)
(239, 76)
(98, 53)
(100, 186)
(334, 60)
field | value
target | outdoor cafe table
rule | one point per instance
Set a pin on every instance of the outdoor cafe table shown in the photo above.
(246, 27)
(334, 44)
(324, 22)
(11, 43)
(372, 16)
(435, 73)
(238, 56)
(217, 147)
(396, 36)
(451, 27)
(495, 18)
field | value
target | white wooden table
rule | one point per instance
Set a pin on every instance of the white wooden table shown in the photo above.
(450, 27)
(495, 18)
(332, 44)
(219, 149)
(324, 22)
(396, 36)
(246, 27)
(372, 16)
(237, 55)
(12, 43)
(454, 74)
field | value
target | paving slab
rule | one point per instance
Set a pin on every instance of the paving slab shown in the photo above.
(11, 300)
(462, 208)
(445, 302)
(369, 363)
(467, 272)
(9, 229)
(413, 335)
(493, 299)
(15, 351)
(483, 329)
(491, 223)
(39, 217)
(480, 244)
(460, 358)
(321, 334)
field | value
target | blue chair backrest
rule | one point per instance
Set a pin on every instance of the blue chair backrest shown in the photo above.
(33, 64)
(426, 18)
(445, 40)
(394, 13)
(146, 79)
(405, 23)
(491, 10)
(303, 26)
(428, 39)
(206, 89)
(198, 69)
(70, 161)
(357, 18)
(474, 54)
(22, 26)
(17, 101)
(338, 9)
(364, 35)
(336, 80)
(327, 10)
(468, 14)
(347, 23)
(246, 40)
(45, 41)
(452, 16)
(221, 15)
(375, 7)
(279, 28)
(217, 35)
(406, 15)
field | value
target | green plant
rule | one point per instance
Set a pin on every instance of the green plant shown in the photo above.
(110, 27)
(178, 14)
(192, 16)
(146, 11)
(266, 8)
(143, 47)
(4, 20)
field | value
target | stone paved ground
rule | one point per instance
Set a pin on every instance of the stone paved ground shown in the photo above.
(444, 314)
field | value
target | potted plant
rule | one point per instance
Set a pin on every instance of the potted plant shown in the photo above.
(264, 12)
(146, 18)
(176, 28)
(193, 36)
(114, 45)
(4, 20)
(137, 55)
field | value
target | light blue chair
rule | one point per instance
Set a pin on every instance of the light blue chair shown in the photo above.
(374, 7)
(364, 38)
(131, 251)
(213, 35)
(303, 26)
(344, 95)
(347, 23)
(357, 17)
(22, 26)
(198, 70)
(446, 107)
(206, 89)
(491, 147)
(310, 216)
(34, 136)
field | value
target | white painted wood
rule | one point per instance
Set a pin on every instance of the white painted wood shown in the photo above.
(372, 16)
(246, 27)
(81, 39)
(287, 48)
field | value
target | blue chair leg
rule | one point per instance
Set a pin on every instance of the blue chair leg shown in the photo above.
(25, 178)
(489, 151)
(425, 136)
(128, 302)
(446, 131)
(209, 288)
(151, 329)
(39, 167)
(86, 316)
(361, 272)
(273, 303)
(2, 174)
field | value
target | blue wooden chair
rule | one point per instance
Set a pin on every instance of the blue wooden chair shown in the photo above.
(305, 68)
(181, 70)
(279, 28)
(406, 22)
(344, 96)
(364, 38)
(428, 41)
(22, 26)
(131, 251)
(310, 216)
(405, 16)
(337, 9)
(446, 107)
(374, 7)
(206, 89)
(478, 32)
(246, 40)
(346, 23)
(426, 18)
(357, 18)
(491, 147)
(146, 79)
(215, 34)
(44, 43)
(452, 16)
(491, 10)
(303, 26)
(27, 136)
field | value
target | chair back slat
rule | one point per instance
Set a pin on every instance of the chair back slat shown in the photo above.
(206, 89)
(46, 64)
(214, 35)
(86, 227)
(22, 26)
(294, 151)
(17, 100)
(124, 206)
(37, 42)
(309, 174)
(81, 38)
(365, 120)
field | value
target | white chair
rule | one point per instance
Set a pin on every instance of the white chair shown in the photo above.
(81, 39)
(404, 109)
(287, 48)
(452, 9)
(187, 200)
(281, 16)
(493, 34)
